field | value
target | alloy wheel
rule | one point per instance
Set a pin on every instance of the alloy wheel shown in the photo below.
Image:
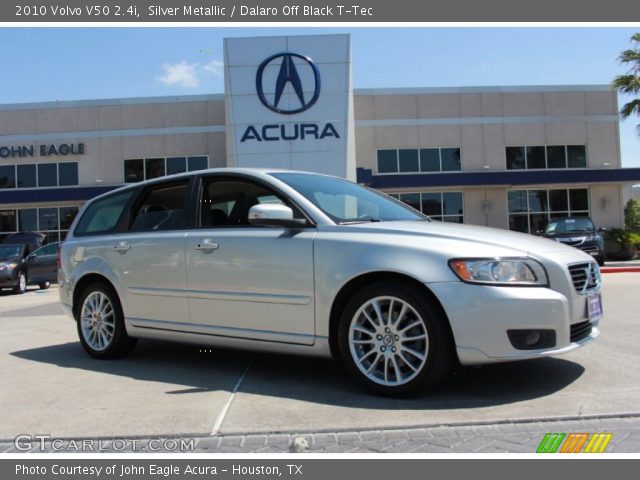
(97, 321)
(388, 341)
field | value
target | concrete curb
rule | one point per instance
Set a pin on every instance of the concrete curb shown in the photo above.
(619, 269)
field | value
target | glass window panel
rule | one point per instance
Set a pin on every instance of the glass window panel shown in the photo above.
(452, 203)
(154, 168)
(518, 201)
(103, 215)
(7, 176)
(432, 204)
(176, 165)
(408, 160)
(453, 219)
(67, 215)
(535, 157)
(437, 218)
(47, 175)
(519, 223)
(538, 222)
(538, 201)
(558, 201)
(577, 156)
(387, 161)
(28, 219)
(133, 170)
(68, 173)
(579, 199)
(450, 159)
(429, 160)
(162, 209)
(48, 218)
(515, 158)
(26, 176)
(198, 163)
(579, 214)
(51, 237)
(8, 221)
(556, 157)
(411, 199)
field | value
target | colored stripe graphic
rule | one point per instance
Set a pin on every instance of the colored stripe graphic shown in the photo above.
(574, 443)
(598, 443)
(550, 443)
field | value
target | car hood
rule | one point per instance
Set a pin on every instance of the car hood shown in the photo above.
(569, 234)
(9, 259)
(492, 237)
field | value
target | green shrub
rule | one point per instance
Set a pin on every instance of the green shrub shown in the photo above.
(632, 215)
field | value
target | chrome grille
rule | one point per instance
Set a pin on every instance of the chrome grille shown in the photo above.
(585, 277)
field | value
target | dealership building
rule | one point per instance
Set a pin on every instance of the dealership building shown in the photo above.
(508, 157)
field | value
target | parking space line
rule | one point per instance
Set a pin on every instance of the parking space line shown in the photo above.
(225, 409)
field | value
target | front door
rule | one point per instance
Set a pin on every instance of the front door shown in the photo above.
(245, 281)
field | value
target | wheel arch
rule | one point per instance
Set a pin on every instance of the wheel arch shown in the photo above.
(352, 286)
(84, 282)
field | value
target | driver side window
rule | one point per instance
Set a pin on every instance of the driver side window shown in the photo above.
(226, 202)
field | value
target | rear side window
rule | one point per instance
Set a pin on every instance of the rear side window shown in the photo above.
(161, 209)
(102, 216)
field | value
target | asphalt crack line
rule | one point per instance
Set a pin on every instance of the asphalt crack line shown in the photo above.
(223, 413)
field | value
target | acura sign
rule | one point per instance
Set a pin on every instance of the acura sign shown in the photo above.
(305, 97)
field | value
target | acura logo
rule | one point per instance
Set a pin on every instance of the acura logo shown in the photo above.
(288, 74)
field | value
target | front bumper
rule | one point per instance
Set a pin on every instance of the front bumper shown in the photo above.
(8, 278)
(480, 317)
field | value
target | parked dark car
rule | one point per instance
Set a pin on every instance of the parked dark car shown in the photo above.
(42, 265)
(13, 270)
(579, 232)
(33, 240)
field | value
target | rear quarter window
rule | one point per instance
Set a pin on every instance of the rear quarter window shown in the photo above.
(102, 215)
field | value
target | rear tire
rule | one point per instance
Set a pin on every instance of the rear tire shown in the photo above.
(44, 285)
(394, 340)
(100, 323)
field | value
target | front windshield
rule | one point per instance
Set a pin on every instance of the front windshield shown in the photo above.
(346, 202)
(7, 251)
(570, 225)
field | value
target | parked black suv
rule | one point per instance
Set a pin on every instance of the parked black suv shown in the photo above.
(13, 269)
(579, 232)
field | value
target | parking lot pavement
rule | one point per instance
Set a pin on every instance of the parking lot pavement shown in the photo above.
(51, 386)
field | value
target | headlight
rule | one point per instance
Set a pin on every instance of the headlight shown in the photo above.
(500, 271)
(8, 266)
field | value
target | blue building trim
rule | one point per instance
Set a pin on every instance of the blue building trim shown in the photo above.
(65, 194)
(503, 178)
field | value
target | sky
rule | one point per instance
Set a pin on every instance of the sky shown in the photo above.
(44, 64)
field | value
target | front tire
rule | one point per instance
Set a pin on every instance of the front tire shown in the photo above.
(394, 340)
(101, 323)
(21, 286)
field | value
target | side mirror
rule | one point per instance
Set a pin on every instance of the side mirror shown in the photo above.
(274, 215)
(602, 230)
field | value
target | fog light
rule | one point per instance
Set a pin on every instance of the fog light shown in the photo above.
(532, 339)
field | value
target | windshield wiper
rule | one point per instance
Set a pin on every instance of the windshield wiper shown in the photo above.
(353, 222)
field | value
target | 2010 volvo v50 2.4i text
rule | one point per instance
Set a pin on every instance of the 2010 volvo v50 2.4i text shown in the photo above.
(302, 263)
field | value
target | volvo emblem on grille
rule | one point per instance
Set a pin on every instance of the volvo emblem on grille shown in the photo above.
(592, 279)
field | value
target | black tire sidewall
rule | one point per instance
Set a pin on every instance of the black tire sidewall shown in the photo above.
(121, 343)
(44, 285)
(18, 288)
(439, 357)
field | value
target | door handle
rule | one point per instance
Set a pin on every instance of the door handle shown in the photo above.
(122, 247)
(207, 246)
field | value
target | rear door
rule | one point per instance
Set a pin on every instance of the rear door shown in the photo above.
(42, 264)
(148, 256)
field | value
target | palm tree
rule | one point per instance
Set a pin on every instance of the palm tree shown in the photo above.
(629, 84)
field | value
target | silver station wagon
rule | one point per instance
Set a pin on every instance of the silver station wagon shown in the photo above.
(301, 263)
